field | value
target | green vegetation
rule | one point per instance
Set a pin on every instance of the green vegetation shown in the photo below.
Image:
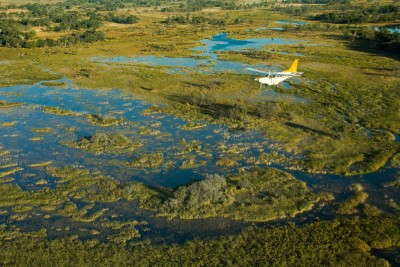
(340, 102)
(10, 171)
(57, 111)
(127, 19)
(41, 130)
(40, 164)
(54, 83)
(259, 195)
(8, 123)
(193, 126)
(226, 162)
(18, 29)
(5, 104)
(3, 152)
(103, 121)
(348, 206)
(102, 142)
(359, 14)
(268, 159)
(148, 160)
(395, 161)
(377, 39)
(12, 36)
(341, 242)
(395, 183)
(344, 122)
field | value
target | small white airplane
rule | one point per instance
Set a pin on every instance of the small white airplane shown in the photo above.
(274, 78)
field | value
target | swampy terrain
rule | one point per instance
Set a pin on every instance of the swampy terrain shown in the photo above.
(131, 133)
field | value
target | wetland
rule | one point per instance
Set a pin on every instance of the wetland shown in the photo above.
(140, 139)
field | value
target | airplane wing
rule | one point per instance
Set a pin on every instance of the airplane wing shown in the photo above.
(293, 74)
(259, 71)
(297, 73)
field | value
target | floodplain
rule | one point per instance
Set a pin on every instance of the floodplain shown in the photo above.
(144, 141)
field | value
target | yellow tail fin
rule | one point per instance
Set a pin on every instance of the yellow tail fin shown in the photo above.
(293, 68)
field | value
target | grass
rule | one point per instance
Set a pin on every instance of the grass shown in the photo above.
(349, 205)
(55, 84)
(395, 161)
(103, 121)
(346, 126)
(6, 104)
(24, 2)
(57, 111)
(40, 164)
(257, 195)
(101, 142)
(41, 130)
(10, 172)
(342, 242)
(148, 161)
(8, 123)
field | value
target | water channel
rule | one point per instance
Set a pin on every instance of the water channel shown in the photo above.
(159, 133)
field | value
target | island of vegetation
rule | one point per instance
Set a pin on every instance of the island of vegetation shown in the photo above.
(102, 142)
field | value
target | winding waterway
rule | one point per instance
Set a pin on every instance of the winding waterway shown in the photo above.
(166, 136)
(158, 133)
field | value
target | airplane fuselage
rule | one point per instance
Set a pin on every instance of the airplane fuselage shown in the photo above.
(274, 79)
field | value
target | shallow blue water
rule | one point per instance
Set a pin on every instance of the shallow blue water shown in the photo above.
(390, 29)
(269, 28)
(394, 30)
(292, 22)
(170, 141)
(211, 62)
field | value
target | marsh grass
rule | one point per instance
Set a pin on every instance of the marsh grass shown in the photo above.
(103, 121)
(347, 242)
(41, 130)
(195, 100)
(10, 171)
(395, 183)
(40, 164)
(55, 84)
(192, 126)
(258, 195)
(226, 162)
(148, 161)
(36, 139)
(6, 104)
(395, 161)
(102, 142)
(58, 111)
(8, 123)
(349, 206)
(9, 165)
(350, 95)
